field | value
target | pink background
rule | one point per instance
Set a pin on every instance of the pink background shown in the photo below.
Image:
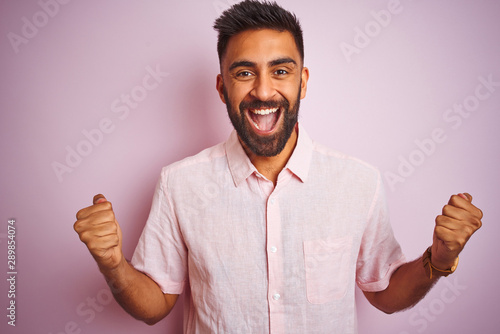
(65, 76)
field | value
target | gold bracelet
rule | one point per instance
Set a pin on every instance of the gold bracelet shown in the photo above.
(429, 267)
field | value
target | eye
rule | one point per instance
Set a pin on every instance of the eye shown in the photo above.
(280, 72)
(244, 74)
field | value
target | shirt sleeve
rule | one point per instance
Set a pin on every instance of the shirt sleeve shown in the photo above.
(380, 254)
(161, 252)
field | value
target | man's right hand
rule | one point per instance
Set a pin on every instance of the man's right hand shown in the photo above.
(98, 229)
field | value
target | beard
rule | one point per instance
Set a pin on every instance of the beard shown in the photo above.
(265, 146)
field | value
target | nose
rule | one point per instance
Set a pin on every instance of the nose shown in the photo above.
(263, 88)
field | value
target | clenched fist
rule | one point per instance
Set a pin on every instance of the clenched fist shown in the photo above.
(458, 221)
(98, 229)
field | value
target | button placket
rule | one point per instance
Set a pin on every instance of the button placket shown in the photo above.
(275, 263)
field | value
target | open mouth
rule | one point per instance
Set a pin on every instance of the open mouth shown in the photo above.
(264, 120)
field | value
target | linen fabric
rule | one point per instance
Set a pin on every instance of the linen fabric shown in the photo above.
(252, 257)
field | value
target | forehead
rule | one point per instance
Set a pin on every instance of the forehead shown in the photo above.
(260, 46)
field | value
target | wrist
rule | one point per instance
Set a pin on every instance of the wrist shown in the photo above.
(441, 265)
(437, 269)
(116, 270)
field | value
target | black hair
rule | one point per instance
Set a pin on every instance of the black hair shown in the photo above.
(252, 14)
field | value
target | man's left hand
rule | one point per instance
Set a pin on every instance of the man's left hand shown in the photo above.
(459, 220)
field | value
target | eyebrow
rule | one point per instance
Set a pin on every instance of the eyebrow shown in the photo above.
(280, 61)
(275, 62)
(242, 63)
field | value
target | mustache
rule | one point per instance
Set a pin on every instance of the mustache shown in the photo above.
(258, 104)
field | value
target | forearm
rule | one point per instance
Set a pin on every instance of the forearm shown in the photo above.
(138, 294)
(408, 285)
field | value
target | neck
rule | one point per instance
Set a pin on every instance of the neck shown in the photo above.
(270, 167)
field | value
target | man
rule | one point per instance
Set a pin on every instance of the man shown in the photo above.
(269, 231)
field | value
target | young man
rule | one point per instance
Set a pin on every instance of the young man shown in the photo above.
(285, 227)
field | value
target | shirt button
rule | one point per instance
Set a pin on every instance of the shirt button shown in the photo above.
(274, 249)
(276, 296)
(272, 201)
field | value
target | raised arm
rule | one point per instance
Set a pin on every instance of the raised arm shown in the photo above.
(138, 294)
(411, 282)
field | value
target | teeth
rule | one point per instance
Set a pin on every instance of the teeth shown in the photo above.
(265, 111)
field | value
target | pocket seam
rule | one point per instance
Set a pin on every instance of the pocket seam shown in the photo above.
(327, 247)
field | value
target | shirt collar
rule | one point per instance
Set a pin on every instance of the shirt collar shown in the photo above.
(241, 167)
(300, 160)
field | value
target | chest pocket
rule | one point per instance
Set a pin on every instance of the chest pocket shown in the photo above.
(327, 268)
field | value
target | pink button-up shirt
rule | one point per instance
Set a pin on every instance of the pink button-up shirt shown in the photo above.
(254, 258)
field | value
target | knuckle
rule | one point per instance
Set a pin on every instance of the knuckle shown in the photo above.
(442, 220)
(108, 216)
(456, 243)
(107, 205)
(462, 242)
(439, 230)
(477, 224)
(463, 237)
(114, 240)
(454, 199)
(113, 228)
(84, 237)
(468, 230)
(77, 226)
(101, 217)
(480, 213)
(91, 245)
(80, 213)
(454, 246)
(447, 209)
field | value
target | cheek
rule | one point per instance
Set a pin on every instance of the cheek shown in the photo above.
(233, 105)
(292, 95)
(289, 88)
(241, 90)
(237, 99)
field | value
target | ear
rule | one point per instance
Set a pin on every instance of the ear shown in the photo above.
(303, 86)
(220, 88)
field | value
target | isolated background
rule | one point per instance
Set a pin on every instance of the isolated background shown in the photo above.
(394, 92)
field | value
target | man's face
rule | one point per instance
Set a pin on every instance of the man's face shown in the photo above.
(261, 83)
